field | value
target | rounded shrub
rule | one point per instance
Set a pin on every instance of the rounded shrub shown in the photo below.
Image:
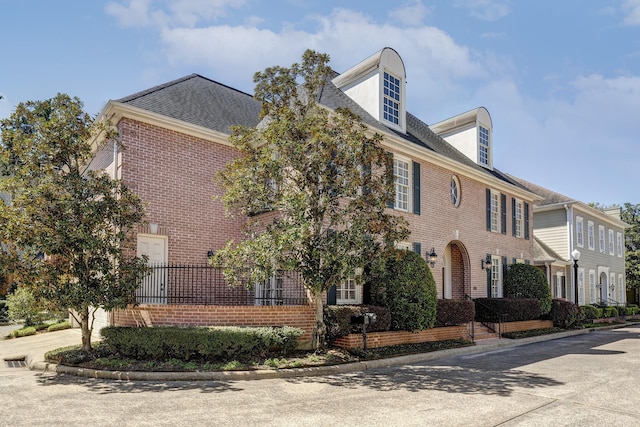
(566, 314)
(589, 312)
(527, 281)
(406, 287)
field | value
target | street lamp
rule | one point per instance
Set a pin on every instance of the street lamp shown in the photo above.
(576, 256)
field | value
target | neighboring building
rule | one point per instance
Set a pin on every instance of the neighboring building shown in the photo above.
(458, 206)
(562, 225)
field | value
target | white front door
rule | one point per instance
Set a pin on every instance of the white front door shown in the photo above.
(154, 285)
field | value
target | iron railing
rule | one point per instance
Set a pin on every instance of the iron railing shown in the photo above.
(180, 284)
(490, 318)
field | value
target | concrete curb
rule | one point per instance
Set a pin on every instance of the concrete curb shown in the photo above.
(302, 372)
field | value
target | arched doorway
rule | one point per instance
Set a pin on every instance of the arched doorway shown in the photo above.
(455, 274)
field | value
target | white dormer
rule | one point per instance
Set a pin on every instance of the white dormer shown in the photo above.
(471, 134)
(378, 84)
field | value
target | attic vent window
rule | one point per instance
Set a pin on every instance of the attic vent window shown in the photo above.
(391, 99)
(483, 146)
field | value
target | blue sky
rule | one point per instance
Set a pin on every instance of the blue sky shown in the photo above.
(561, 79)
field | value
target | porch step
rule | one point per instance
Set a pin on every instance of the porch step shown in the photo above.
(481, 332)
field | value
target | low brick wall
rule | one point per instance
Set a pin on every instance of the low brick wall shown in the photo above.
(383, 339)
(302, 317)
(525, 325)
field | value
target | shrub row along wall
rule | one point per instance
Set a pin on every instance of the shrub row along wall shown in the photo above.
(525, 325)
(382, 339)
(206, 315)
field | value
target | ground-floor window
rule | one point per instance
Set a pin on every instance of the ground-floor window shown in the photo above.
(560, 285)
(348, 292)
(270, 292)
(496, 277)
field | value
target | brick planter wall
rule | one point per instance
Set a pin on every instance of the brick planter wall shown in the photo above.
(383, 339)
(525, 325)
(302, 317)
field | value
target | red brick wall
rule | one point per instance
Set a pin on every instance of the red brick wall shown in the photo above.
(382, 339)
(201, 315)
(173, 174)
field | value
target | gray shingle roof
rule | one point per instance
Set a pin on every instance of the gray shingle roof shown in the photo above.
(548, 197)
(200, 101)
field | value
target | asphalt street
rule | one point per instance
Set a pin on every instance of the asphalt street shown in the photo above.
(590, 379)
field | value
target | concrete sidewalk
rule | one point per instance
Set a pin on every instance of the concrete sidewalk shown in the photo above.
(33, 348)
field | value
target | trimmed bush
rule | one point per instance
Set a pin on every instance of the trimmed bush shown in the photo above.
(527, 281)
(590, 312)
(200, 343)
(511, 309)
(610, 312)
(59, 326)
(565, 314)
(632, 309)
(23, 332)
(452, 312)
(24, 306)
(407, 289)
(337, 318)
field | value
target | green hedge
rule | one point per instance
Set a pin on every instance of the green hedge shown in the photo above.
(527, 281)
(59, 326)
(23, 332)
(200, 343)
(566, 314)
(452, 312)
(513, 309)
(337, 319)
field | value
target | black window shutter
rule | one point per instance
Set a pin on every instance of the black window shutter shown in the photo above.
(503, 206)
(416, 188)
(526, 261)
(391, 177)
(526, 221)
(332, 296)
(488, 209)
(513, 216)
(514, 260)
(417, 248)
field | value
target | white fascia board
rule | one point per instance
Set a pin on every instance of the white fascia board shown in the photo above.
(115, 111)
(396, 144)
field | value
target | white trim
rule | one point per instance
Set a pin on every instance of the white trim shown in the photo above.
(579, 231)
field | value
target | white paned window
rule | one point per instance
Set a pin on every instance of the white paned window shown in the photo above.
(348, 292)
(579, 232)
(483, 145)
(519, 218)
(496, 277)
(581, 289)
(611, 243)
(391, 99)
(619, 243)
(592, 286)
(601, 243)
(560, 285)
(590, 235)
(403, 246)
(402, 181)
(270, 292)
(495, 211)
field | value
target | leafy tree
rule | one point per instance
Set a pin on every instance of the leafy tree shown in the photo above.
(527, 281)
(406, 287)
(24, 306)
(320, 180)
(69, 227)
(631, 215)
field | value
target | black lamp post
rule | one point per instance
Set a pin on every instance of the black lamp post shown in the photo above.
(576, 256)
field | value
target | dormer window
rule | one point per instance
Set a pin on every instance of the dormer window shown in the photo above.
(391, 98)
(483, 145)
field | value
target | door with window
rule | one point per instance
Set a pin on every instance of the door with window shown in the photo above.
(154, 286)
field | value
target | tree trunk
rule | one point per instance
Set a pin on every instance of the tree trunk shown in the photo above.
(319, 331)
(85, 328)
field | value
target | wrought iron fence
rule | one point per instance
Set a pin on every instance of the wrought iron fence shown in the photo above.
(179, 284)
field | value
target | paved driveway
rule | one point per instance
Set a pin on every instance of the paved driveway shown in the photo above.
(583, 380)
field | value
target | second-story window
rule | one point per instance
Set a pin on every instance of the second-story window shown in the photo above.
(391, 99)
(611, 243)
(483, 145)
(601, 243)
(401, 178)
(518, 219)
(579, 232)
(619, 243)
(495, 212)
(590, 235)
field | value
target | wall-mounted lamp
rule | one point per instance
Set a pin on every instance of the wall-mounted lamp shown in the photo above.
(433, 257)
(209, 253)
(485, 264)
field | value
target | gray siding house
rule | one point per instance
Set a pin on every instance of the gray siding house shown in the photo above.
(567, 232)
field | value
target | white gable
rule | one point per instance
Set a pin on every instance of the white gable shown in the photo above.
(365, 84)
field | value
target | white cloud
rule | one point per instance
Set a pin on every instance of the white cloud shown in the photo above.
(169, 13)
(631, 8)
(410, 14)
(487, 10)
